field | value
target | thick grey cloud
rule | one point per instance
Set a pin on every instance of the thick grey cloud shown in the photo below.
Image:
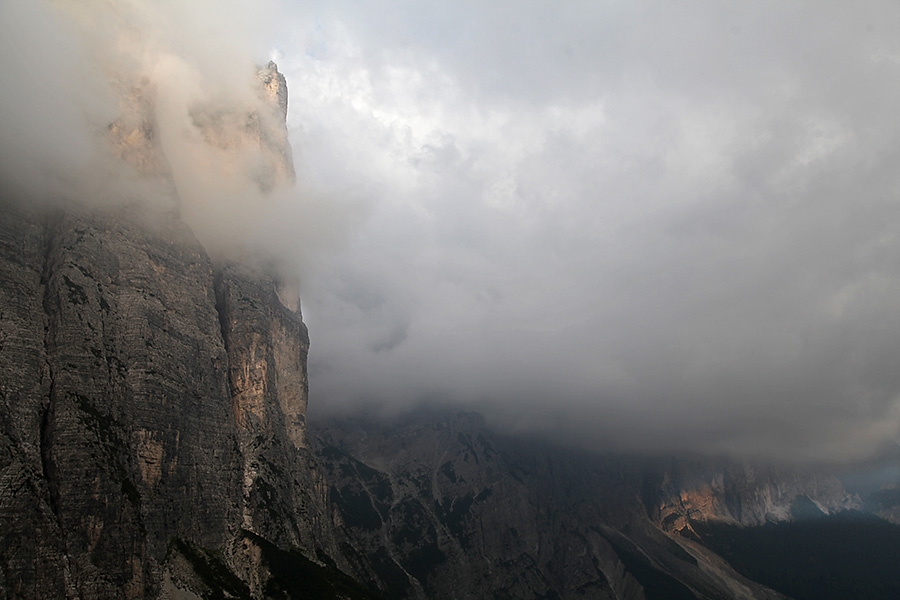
(641, 225)
(637, 225)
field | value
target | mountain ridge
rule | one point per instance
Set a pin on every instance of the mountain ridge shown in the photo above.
(474, 493)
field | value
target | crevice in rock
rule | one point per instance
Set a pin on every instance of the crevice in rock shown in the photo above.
(221, 309)
(48, 466)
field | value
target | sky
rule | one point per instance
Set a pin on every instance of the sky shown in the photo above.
(640, 226)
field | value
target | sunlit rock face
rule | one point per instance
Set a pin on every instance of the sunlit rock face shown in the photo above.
(740, 493)
(273, 130)
(133, 136)
(267, 345)
(252, 138)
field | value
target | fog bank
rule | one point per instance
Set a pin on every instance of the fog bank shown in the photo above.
(628, 225)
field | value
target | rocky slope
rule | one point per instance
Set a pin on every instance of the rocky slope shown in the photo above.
(681, 491)
(439, 506)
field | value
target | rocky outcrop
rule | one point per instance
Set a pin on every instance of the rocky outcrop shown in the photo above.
(137, 378)
(273, 131)
(152, 424)
(253, 137)
(283, 494)
(680, 491)
(438, 505)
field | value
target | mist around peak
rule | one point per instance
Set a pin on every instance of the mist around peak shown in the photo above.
(163, 106)
(626, 226)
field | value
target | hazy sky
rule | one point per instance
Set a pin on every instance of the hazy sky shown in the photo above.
(654, 225)
(639, 223)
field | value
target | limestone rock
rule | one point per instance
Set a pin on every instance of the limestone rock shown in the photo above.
(154, 444)
(148, 399)
(252, 137)
(738, 492)
(152, 423)
(283, 495)
(134, 382)
(32, 559)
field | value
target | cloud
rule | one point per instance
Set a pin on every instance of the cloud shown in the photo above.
(51, 99)
(148, 102)
(625, 224)
(638, 226)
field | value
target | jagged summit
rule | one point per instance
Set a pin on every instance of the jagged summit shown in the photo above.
(221, 157)
(275, 86)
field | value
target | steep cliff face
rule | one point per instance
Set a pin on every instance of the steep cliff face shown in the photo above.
(152, 425)
(273, 132)
(137, 378)
(123, 398)
(153, 415)
(283, 495)
(31, 539)
(252, 137)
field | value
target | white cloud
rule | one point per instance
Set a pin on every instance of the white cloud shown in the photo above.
(638, 219)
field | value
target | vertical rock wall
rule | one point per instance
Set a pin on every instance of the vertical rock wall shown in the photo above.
(32, 561)
(127, 425)
(133, 410)
(283, 496)
(152, 423)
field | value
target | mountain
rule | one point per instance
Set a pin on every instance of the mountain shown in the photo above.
(152, 403)
(452, 509)
(154, 442)
(153, 417)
